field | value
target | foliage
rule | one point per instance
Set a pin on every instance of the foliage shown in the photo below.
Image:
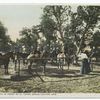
(4, 39)
(29, 38)
(74, 28)
(54, 20)
(84, 20)
(48, 29)
(90, 17)
(96, 39)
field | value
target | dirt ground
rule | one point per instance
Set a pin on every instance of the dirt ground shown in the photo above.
(54, 81)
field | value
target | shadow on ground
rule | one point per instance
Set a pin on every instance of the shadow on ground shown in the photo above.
(50, 72)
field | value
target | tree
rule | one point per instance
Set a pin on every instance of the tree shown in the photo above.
(48, 30)
(26, 38)
(89, 16)
(29, 37)
(95, 45)
(82, 24)
(96, 40)
(60, 16)
(2, 31)
(4, 39)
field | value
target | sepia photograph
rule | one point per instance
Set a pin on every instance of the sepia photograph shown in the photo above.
(49, 49)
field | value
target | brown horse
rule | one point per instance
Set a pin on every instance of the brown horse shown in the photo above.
(5, 59)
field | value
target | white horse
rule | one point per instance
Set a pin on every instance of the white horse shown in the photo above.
(61, 60)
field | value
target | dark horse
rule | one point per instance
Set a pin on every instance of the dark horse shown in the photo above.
(38, 59)
(53, 56)
(5, 59)
(69, 59)
(20, 56)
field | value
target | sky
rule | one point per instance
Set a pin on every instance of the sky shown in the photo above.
(15, 17)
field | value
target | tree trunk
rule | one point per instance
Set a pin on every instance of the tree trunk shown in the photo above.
(82, 39)
(62, 39)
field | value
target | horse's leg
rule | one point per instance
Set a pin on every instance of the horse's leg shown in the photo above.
(59, 64)
(62, 68)
(91, 65)
(56, 60)
(68, 65)
(44, 67)
(29, 66)
(23, 61)
(6, 68)
(15, 65)
(26, 61)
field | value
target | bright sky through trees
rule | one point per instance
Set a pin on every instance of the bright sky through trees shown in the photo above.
(15, 17)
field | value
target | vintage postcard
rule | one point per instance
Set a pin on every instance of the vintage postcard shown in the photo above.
(49, 50)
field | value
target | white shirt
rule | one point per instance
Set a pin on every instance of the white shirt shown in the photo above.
(82, 56)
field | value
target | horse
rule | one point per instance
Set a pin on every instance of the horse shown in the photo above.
(5, 59)
(68, 59)
(61, 60)
(20, 56)
(53, 55)
(40, 59)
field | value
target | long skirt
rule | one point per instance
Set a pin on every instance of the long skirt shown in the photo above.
(85, 68)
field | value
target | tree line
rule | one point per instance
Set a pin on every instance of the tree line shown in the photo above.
(61, 28)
